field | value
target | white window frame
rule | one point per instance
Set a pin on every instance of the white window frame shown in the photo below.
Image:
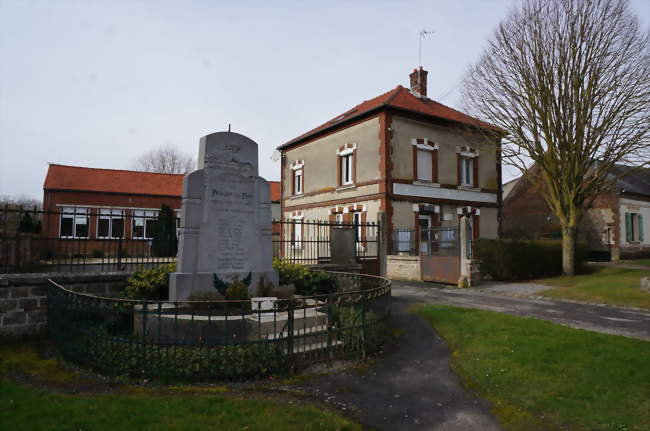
(298, 181)
(142, 216)
(77, 215)
(296, 234)
(358, 225)
(467, 171)
(347, 168)
(110, 215)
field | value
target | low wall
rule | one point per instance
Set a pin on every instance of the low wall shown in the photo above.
(403, 268)
(23, 297)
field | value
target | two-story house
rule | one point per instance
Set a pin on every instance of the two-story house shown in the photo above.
(420, 162)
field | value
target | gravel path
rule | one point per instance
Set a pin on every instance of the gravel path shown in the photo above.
(410, 388)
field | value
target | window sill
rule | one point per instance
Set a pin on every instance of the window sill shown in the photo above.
(346, 187)
(294, 197)
(469, 189)
(426, 183)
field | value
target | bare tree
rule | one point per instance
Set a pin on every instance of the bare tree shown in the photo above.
(166, 160)
(569, 81)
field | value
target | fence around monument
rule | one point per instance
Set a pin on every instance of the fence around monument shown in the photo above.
(219, 339)
(100, 240)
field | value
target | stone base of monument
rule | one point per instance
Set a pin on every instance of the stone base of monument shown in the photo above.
(172, 324)
(182, 285)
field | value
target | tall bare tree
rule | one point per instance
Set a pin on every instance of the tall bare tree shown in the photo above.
(166, 160)
(569, 80)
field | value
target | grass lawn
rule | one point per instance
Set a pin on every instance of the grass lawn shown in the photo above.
(25, 407)
(616, 286)
(645, 262)
(539, 375)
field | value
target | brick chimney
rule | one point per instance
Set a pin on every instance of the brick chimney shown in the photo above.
(419, 81)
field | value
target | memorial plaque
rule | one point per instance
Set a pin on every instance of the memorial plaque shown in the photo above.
(225, 230)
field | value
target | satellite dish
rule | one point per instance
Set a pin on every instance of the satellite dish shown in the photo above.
(276, 155)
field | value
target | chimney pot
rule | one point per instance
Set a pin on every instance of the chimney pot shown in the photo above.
(419, 81)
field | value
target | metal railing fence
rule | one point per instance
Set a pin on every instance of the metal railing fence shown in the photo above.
(442, 241)
(99, 239)
(194, 340)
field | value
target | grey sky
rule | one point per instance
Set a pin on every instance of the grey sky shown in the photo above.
(97, 83)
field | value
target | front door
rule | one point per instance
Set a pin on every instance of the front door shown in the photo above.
(424, 225)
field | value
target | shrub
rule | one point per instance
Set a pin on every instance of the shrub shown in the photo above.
(507, 260)
(149, 284)
(307, 282)
(237, 291)
(98, 253)
(164, 242)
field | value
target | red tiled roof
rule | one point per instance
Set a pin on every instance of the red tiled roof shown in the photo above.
(275, 191)
(62, 177)
(400, 98)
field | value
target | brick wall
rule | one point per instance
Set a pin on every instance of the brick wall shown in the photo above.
(23, 297)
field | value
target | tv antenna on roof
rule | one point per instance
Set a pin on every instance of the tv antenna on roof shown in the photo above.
(423, 34)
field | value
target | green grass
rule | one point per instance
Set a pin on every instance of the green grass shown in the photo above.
(607, 285)
(644, 262)
(539, 375)
(25, 407)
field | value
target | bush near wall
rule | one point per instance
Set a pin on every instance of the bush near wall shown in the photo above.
(509, 260)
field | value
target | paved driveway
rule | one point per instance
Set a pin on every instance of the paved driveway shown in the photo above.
(610, 320)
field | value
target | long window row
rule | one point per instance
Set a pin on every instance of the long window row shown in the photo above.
(110, 223)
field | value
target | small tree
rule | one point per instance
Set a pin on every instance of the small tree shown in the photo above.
(165, 242)
(569, 80)
(166, 160)
(26, 224)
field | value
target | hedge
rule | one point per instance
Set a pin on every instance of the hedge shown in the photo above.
(508, 260)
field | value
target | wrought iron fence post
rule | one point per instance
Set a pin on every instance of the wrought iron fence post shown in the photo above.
(363, 326)
(290, 323)
(329, 328)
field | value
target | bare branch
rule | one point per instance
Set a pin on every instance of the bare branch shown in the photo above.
(166, 160)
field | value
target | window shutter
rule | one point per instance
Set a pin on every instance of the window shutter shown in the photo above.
(434, 166)
(353, 166)
(476, 226)
(415, 163)
(293, 182)
(475, 173)
(628, 227)
(459, 170)
(640, 228)
(339, 172)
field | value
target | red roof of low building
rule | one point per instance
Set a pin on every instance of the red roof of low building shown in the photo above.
(275, 191)
(78, 178)
(400, 98)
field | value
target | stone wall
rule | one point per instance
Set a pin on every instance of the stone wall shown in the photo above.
(403, 268)
(23, 297)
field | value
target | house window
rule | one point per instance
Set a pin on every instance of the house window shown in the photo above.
(634, 227)
(338, 218)
(424, 165)
(74, 223)
(347, 168)
(297, 182)
(143, 224)
(467, 171)
(296, 232)
(110, 224)
(356, 219)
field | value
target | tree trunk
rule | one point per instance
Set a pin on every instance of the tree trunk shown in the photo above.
(568, 250)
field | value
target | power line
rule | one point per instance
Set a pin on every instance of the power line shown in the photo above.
(490, 55)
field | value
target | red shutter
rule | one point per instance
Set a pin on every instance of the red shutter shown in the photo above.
(339, 180)
(475, 173)
(364, 233)
(476, 225)
(293, 182)
(415, 163)
(459, 171)
(434, 166)
(354, 166)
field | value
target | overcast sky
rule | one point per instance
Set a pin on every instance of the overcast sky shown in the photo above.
(97, 83)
